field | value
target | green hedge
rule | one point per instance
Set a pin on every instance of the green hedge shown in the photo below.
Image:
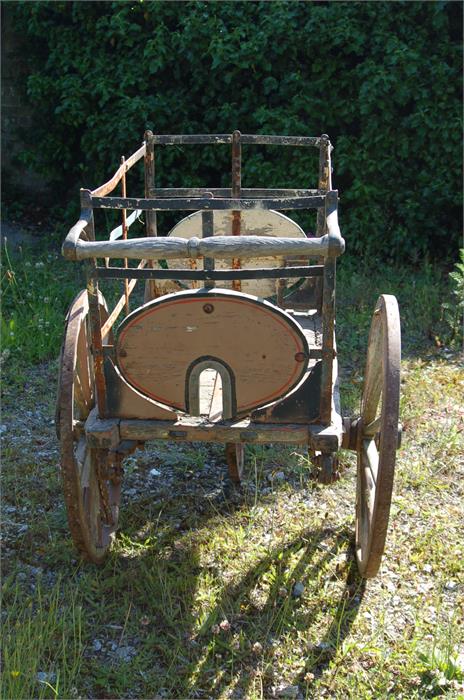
(381, 78)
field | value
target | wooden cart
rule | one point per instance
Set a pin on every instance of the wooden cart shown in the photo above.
(234, 343)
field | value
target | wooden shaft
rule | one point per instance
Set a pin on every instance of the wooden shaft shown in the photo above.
(124, 235)
(214, 247)
(109, 186)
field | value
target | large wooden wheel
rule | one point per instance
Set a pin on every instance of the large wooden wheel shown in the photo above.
(377, 435)
(91, 477)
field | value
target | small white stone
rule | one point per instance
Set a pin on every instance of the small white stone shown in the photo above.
(450, 585)
(287, 691)
(427, 569)
(154, 472)
(125, 653)
(298, 590)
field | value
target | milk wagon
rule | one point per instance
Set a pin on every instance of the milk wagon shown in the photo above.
(234, 342)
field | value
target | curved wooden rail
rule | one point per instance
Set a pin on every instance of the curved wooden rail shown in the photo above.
(109, 186)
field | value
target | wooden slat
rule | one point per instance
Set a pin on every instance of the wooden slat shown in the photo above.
(270, 140)
(216, 275)
(193, 204)
(196, 139)
(221, 192)
(257, 139)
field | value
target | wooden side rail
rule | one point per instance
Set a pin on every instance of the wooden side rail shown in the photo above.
(202, 203)
(75, 233)
(223, 192)
(109, 186)
(257, 139)
(213, 247)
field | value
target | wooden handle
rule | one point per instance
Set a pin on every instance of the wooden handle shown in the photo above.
(330, 245)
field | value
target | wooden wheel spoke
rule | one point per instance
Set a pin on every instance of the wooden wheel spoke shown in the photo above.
(371, 459)
(372, 428)
(85, 471)
(82, 398)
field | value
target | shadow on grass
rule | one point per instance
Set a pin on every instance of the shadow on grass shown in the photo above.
(207, 636)
(280, 616)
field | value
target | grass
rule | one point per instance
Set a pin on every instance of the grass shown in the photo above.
(196, 600)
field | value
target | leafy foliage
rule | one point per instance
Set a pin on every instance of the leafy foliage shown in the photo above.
(454, 309)
(383, 79)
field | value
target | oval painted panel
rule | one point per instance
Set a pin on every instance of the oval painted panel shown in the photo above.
(262, 348)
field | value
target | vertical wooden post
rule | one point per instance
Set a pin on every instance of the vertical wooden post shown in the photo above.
(150, 216)
(325, 178)
(124, 234)
(207, 224)
(328, 325)
(94, 316)
(236, 190)
(324, 185)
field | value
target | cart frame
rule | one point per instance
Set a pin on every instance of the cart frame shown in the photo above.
(113, 435)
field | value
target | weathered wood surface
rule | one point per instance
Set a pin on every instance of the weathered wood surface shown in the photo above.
(225, 192)
(101, 432)
(302, 404)
(194, 203)
(109, 186)
(151, 222)
(191, 429)
(328, 321)
(216, 275)
(252, 223)
(257, 139)
(124, 401)
(216, 246)
(263, 349)
(79, 228)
